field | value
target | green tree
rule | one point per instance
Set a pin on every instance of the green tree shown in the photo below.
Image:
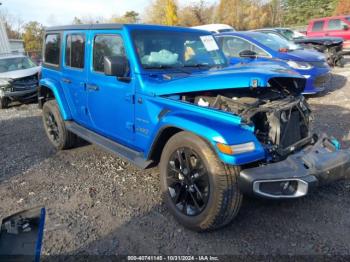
(299, 12)
(33, 36)
(131, 17)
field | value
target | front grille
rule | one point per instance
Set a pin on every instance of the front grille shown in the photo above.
(319, 64)
(25, 83)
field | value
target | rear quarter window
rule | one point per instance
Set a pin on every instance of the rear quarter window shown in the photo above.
(52, 49)
(317, 26)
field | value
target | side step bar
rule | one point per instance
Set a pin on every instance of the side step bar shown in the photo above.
(124, 152)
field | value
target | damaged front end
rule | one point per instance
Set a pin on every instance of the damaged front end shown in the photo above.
(296, 160)
(280, 116)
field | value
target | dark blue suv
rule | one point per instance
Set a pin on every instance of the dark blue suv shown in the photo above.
(166, 96)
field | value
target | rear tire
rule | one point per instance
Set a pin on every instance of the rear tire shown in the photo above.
(188, 162)
(4, 102)
(55, 127)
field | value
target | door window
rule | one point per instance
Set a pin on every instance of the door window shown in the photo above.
(336, 24)
(52, 49)
(106, 45)
(232, 46)
(317, 26)
(75, 50)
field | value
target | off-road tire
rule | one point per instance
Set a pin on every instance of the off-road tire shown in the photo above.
(65, 138)
(4, 102)
(225, 197)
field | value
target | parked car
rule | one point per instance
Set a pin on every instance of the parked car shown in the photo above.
(335, 26)
(215, 28)
(167, 96)
(332, 47)
(18, 79)
(261, 47)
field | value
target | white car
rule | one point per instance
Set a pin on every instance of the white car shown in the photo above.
(215, 28)
(19, 77)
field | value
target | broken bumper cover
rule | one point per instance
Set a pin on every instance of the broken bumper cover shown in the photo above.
(23, 94)
(297, 175)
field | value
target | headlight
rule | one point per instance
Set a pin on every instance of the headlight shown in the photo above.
(236, 149)
(299, 65)
(4, 82)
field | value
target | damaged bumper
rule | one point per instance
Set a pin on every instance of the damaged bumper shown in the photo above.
(297, 175)
(17, 95)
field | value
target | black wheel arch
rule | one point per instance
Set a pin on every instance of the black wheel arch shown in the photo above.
(44, 94)
(164, 134)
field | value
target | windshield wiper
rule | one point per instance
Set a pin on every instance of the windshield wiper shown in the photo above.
(198, 65)
(178, 69)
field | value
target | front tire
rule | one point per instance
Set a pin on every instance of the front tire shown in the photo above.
(55, 127)
(199, 190)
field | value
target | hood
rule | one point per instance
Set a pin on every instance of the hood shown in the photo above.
(320, 40)
(237, 76)
(20, 73)
(303, 56)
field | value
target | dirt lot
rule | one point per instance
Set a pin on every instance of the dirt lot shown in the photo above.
(98, 204)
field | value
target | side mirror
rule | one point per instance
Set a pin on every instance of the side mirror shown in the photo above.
(248, 53)
(345, 27)
(116, 66)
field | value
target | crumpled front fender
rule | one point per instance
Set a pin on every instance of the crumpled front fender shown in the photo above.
(215, 127)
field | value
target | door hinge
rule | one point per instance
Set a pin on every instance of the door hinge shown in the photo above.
(130, 97)
(130, 126)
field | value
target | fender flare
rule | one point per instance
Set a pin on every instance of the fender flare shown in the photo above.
(215, 132)
(57, 90)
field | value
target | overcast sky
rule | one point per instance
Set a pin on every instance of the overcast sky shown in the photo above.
(56, 12)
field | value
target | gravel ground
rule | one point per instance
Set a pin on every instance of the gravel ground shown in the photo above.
(98, 204)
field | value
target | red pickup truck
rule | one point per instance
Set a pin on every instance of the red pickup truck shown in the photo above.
(336, 26)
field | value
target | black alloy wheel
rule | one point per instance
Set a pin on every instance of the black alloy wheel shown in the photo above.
(188, 181)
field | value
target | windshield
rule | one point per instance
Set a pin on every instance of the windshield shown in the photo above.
(274, 42)
(291, 35)
(15, 63)
(171, 49)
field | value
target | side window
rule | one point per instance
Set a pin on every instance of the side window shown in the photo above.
(106, 45)
(232, 46)
(317, 26)
(75, 50)
(52, 49)
(336, 24)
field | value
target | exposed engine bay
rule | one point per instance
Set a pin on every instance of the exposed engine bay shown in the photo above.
(281, 120)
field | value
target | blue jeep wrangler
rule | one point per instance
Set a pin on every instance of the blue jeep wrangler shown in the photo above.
(166, 95)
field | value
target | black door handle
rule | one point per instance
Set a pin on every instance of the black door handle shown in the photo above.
(92, 87)
(66, 80)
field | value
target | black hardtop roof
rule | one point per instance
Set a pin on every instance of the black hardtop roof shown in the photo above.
(120, 26)
(84, 27)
